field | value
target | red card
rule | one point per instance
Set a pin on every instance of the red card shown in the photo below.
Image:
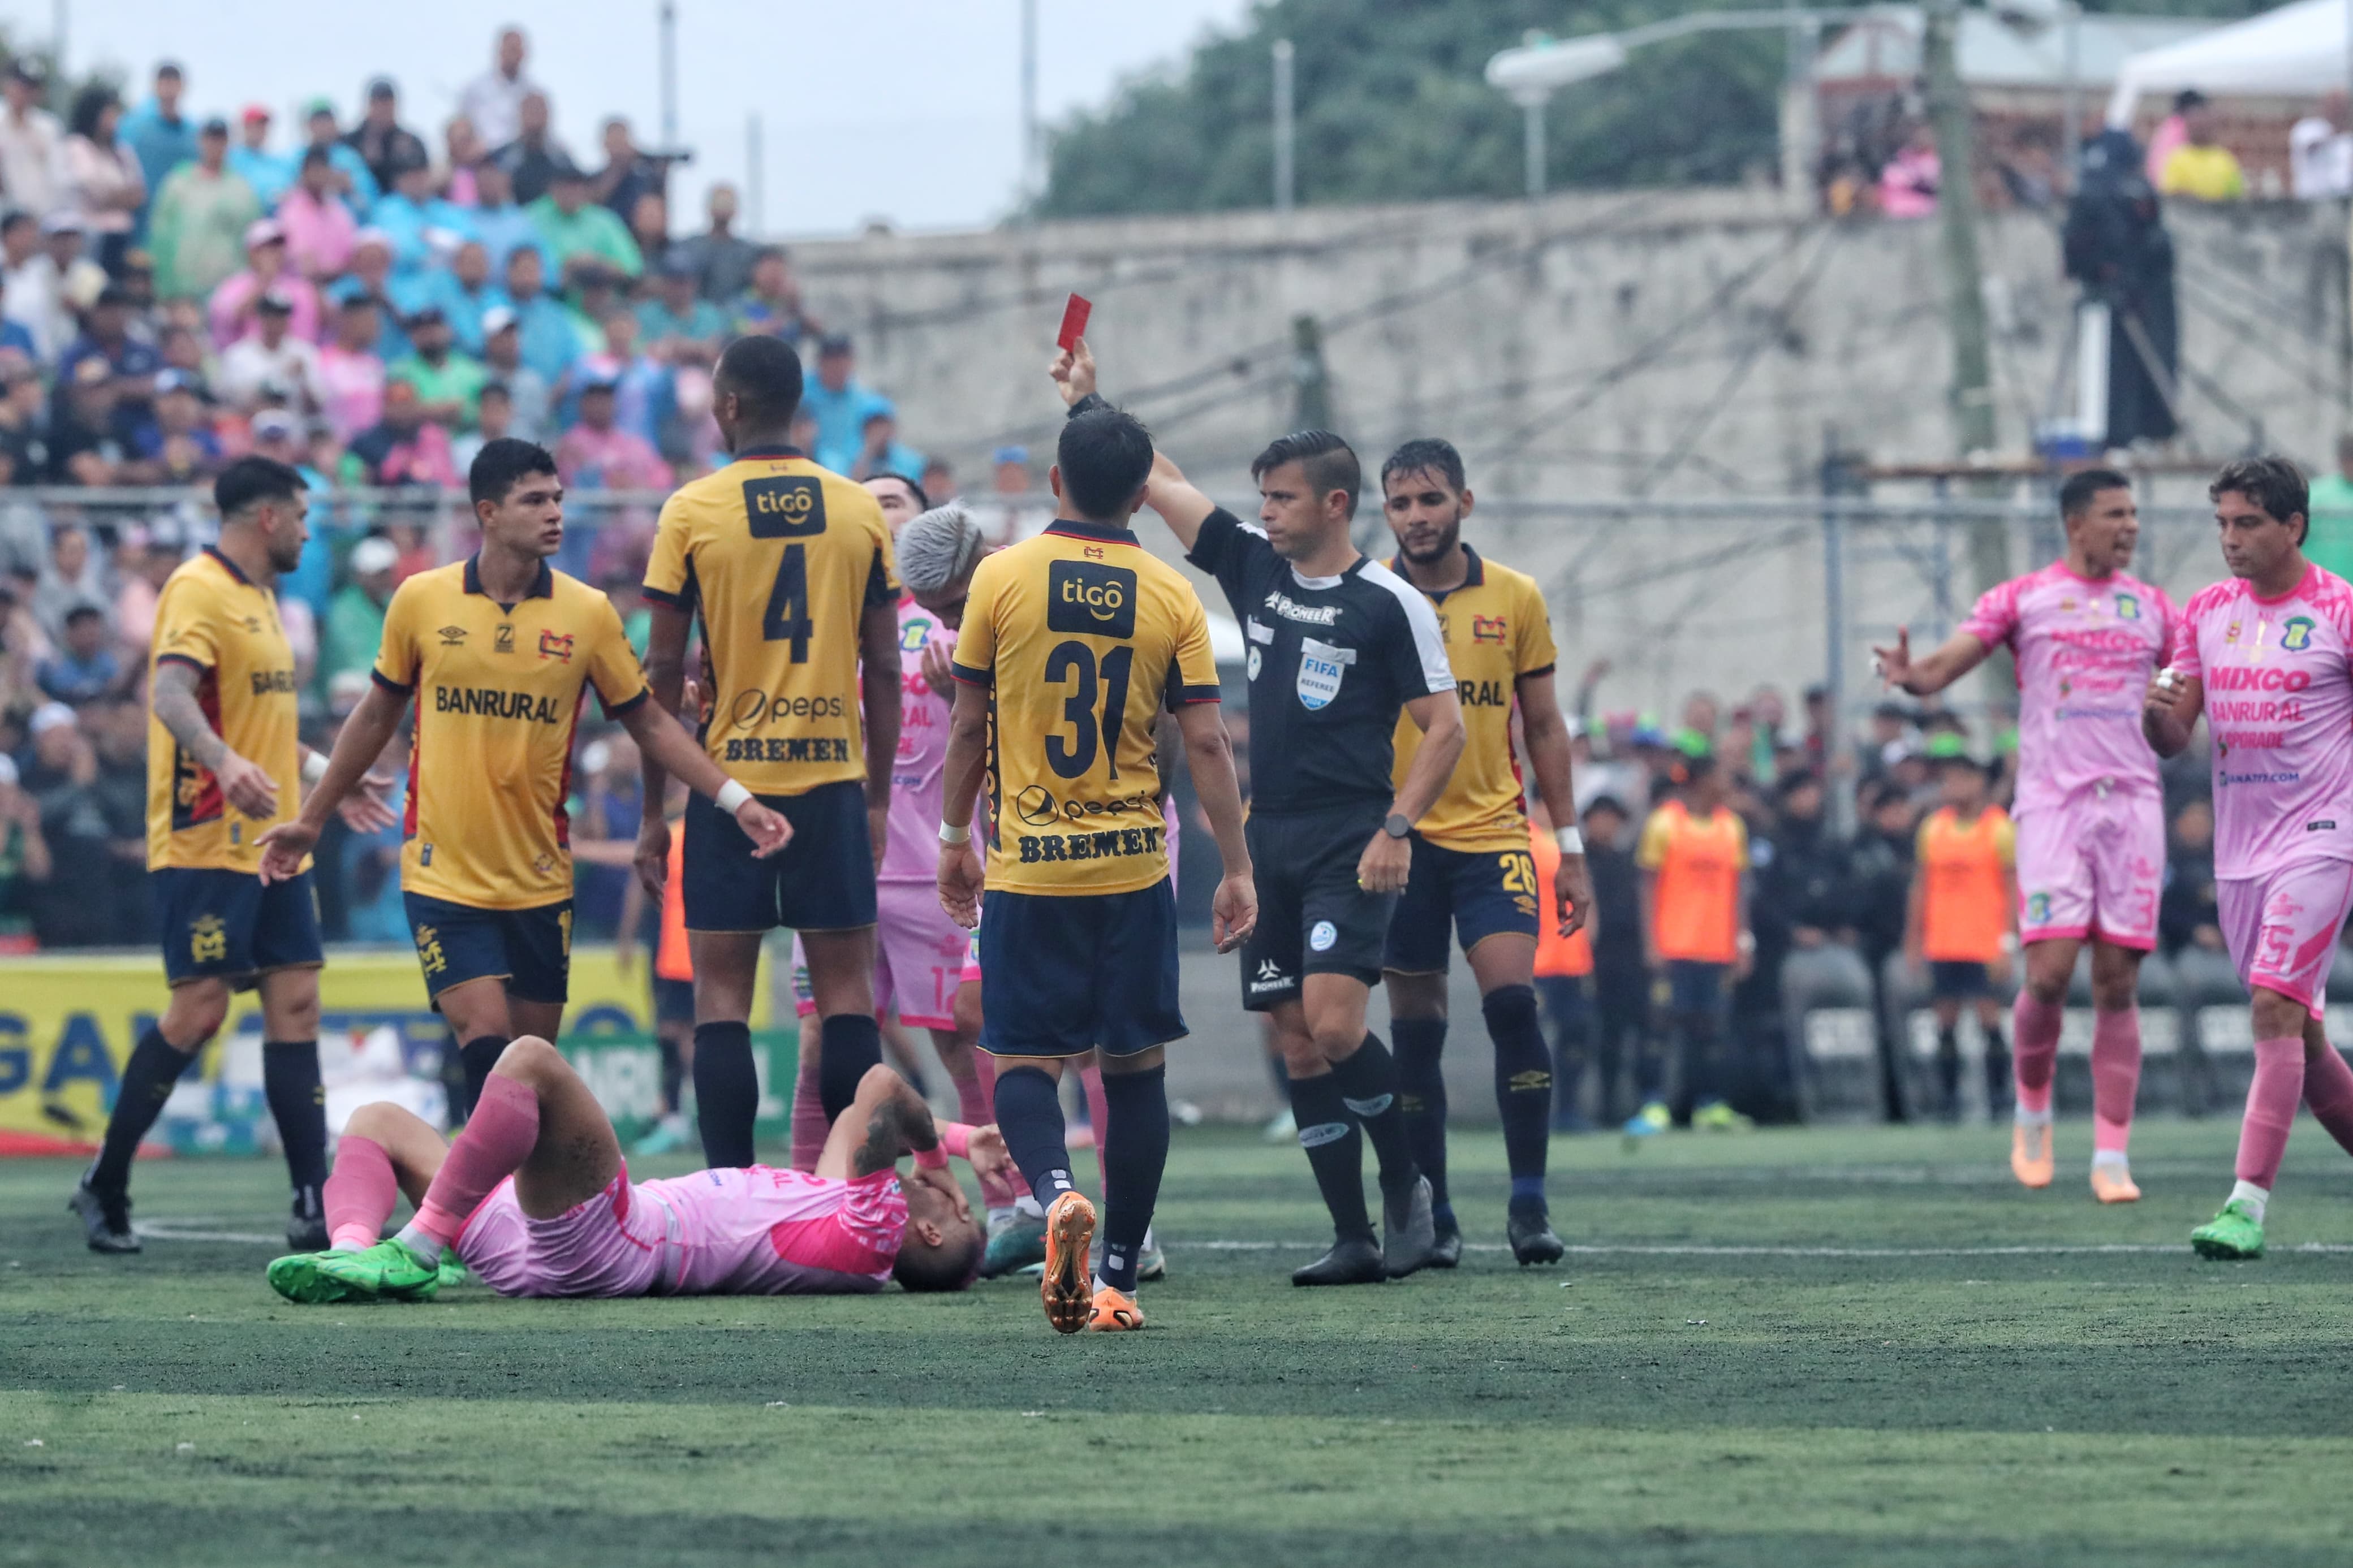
(1074, 321)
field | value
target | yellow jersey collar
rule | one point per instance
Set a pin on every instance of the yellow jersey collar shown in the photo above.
(231, 567)
(1475, 577)
(542, 586)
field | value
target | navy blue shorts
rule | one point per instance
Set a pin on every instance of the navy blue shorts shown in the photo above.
(822, 880)
(1474, 893)
(673, 1001)
(1959, 980)
(1313, 919)
(225, 925)
(531, 950)
(1090, 972)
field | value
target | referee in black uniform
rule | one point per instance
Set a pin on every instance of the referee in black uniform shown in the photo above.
(1337, 644)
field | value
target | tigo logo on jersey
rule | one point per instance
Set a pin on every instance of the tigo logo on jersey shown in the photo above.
(2296, 636)
(1487, 629)
(1321, 670)
(1096, 601)
(1323, 936)
(785, 506)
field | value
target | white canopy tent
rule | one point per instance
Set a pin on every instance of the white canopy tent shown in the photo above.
(2297, 51)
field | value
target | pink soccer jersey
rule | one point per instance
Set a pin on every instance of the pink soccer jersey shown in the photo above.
(912, 855)
(2279, 703)
(760, 1231)
(2086, 649)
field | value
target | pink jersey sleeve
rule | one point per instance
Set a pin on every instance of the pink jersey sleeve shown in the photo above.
(2182, 651)
(858, 1236)
(1994, 621)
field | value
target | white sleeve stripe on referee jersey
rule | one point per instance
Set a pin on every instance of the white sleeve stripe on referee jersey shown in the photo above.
(1429, 641)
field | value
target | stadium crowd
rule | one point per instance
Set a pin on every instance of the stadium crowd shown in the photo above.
(180, 287)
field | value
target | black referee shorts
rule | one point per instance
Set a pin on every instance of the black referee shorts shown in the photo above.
(1313, 919)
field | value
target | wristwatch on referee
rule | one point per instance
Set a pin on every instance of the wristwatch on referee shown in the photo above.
(1395, 826)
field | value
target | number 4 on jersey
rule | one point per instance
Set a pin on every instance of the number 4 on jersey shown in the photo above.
(788, 620)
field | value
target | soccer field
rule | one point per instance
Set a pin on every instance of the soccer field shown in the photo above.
(1838, 1346)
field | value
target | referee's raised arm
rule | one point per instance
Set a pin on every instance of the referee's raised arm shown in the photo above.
(1183, 508)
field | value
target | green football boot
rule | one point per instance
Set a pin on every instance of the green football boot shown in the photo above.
(452, 1272)
(2233, 1236)
(1019, 1244)
(387, 1271)
(1718, 1117)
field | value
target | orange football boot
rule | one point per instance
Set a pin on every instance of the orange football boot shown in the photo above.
(2112, 1183)
(1115, 1313)
(2030, 1154)
(1070, 1234)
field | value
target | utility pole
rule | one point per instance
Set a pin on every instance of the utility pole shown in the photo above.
(668, 75)
(1286, 156)
(1032, 186)
(1965, 311)
(1311, 387)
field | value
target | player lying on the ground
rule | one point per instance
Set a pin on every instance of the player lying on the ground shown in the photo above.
(534, 1198)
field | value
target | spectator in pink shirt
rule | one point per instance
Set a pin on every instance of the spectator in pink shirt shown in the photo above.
(1907, 186)
(319, 226)
(233, 302)
(351, 376)
(598, 455)
(404, 447)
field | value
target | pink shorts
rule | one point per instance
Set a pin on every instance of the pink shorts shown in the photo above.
(919, 958)
(2092, 867)
(613, 1245)
(2282, 928)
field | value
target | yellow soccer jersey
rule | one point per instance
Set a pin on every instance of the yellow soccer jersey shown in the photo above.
(499, 688)
(214, 618)
(781, 558)
(1496, 631)
(1082, 637)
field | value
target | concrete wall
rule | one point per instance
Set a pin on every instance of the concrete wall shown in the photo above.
(1638, 346)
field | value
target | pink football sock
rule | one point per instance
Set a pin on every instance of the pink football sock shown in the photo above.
(973, 1108)
(2272, 1100)
(984, 1074)
(1098, 1116)
(360, 1193)
(2034, 1044)
(809, 1127)
(2116, 1077)
(499, 1137)
(2327, 1091)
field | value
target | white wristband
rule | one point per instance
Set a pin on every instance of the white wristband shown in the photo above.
(315, 767)
(955, 834)
(731, 796)
(1570, 840)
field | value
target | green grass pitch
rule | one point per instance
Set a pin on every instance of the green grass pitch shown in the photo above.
(1818, 1347)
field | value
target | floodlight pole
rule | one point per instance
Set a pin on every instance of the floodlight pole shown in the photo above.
(1531, 139)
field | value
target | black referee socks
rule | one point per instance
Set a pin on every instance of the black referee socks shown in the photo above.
(1134, 1151)
(1421, 1101)
(727, 1093)
(477, 1057)
(1523, 1081)
(1368, 1078)
(1335, 1152)
(298, 1103)
(849, 1043)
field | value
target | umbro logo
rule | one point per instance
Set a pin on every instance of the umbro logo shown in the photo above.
(452, 636)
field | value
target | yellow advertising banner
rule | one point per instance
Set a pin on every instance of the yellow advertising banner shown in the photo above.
(67, 1022)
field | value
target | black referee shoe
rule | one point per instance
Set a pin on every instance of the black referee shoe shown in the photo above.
(105, 1218)
(1353, 1260)
(1531, 1234)
(1409, 1230)
(1446, 1252)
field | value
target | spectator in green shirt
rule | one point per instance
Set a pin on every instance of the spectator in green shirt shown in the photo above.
(197, 228)
(449, 383)
(355, 614)
(2328, 541)
(575, 228)
(675, 325)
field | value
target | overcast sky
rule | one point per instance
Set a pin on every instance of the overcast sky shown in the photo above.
(904, 110)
